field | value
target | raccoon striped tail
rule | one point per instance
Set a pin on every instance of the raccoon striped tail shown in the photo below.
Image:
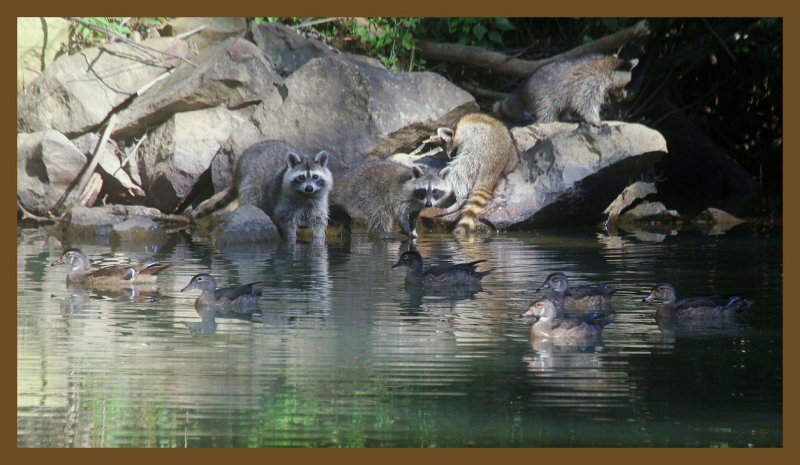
(472, 208)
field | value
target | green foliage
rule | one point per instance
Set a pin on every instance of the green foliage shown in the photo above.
(113, 24)
(481, 32)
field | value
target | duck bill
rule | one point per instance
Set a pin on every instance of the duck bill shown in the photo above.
(188, 287)
(396, 265)
(60, 261)
(546, 285)
(528, 313)
(650, 297)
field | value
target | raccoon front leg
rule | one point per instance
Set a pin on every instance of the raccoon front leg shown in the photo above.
(409, 224)
(290, 231)
(318, 232)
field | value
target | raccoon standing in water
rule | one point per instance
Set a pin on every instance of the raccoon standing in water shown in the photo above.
(290, 187)
(579, 86)
(481, 151)
(385, 193)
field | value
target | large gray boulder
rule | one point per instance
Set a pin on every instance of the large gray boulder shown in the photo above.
(287, 50)
(215, 30)
(350, 108)
(568, 173)
(47, 164)
(232, 73)
(38, 41)
(78, 91)
(175, 155)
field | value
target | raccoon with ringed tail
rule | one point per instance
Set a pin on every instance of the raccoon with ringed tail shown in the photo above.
(288, 186)
(579, 86)
(384, 194)
(482, 151)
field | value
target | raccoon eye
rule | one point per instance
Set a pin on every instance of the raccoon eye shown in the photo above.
(420, 193)
(314, 176)
(302, 177)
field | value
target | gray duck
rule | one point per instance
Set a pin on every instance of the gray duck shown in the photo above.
(693, 308)
(589, 296)
(439, 276)
(236, 299)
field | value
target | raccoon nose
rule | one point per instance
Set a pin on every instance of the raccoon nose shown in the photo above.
(309, 189)
(428, 204)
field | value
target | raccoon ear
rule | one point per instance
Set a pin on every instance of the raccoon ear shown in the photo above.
(293, 158)
(443, 172)
(445, 133)
(416, 172)
(321, 158)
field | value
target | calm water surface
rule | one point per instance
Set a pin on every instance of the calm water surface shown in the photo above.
(343, 355)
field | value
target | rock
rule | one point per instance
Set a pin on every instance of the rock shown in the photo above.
(109, 165)
(175, 155)
(649, 212)
(247, 224)
(38, 42)
(351, 109)
(232, 73)
(287, 50)
(714, 221)
(47, 164)
(569, 174)
(628, 196)
(94, 222)
(217, 30)
(284, 48)
(77, 92)
(137, 229)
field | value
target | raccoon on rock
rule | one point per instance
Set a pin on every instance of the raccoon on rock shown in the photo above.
(578, 86)
(288, 186)
(482, 152)
(384, 193)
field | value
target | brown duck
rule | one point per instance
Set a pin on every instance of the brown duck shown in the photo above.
(694, 308)
(114, 275)
(548, 326)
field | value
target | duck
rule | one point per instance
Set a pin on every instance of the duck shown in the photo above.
(236, 299)
(439, 276)
(549, 326)
(693, 308)
(563, 295)
(109, 276)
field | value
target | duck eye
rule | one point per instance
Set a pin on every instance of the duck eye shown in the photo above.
(200, 279)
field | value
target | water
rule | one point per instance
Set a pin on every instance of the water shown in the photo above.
(344, 357)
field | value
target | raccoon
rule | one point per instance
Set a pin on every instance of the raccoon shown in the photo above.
(383, 194)
(579, 86)
(289, 187)
(482, 152)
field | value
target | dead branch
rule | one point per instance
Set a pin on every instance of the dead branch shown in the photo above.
(477, 56)
(68, 199)
(126, 40)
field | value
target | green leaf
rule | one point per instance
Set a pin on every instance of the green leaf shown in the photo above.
(612, 24)
(479, 31)
(495, 37)
(587, 38)
(503, 24)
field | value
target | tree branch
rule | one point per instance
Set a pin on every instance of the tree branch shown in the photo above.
(477, 56)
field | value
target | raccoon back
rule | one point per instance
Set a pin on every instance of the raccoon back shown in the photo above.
(374, 192)
(259, 173)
